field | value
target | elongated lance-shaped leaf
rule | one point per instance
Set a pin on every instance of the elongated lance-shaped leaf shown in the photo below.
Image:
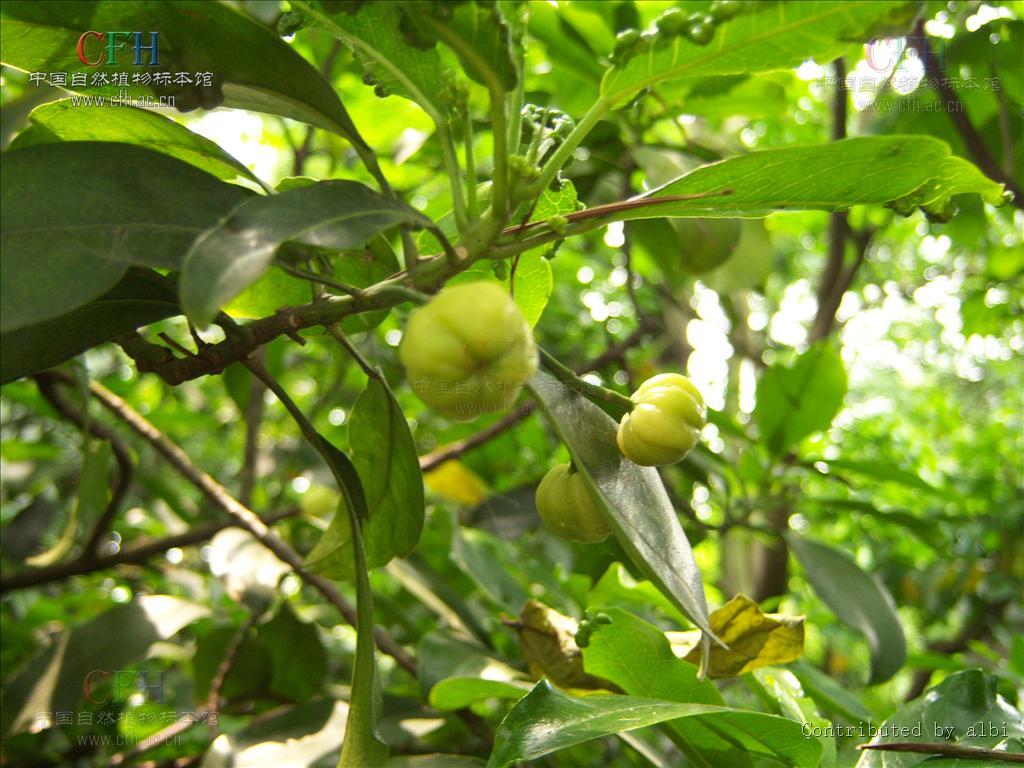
(766, 36)
(363, 747)
(116, 205)
(384, 455)
(858, 599)
(901, 172)
(547, 720)
(631, 497)
(252, 68)
(231, 256)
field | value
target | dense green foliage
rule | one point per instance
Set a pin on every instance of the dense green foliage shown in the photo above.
(262, 506)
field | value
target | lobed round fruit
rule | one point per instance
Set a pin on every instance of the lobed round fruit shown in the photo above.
(665, 422)
(566, 507)
(468, 351)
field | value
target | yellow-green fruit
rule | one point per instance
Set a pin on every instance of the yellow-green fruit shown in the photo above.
(468, 351)
(567, 508)
(665, 423)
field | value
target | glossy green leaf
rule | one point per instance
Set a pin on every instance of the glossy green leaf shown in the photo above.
(141, 297)
(957, 711)
(766, 36)
(632, 497)
(232, 255)
(63, 121)
(858, 599)
(903, 172)
(53, 681)
(547, 720)
(385, 458)
(251, 65)
(794, 402)
(116, 205)
(363, 746)
(638, 658)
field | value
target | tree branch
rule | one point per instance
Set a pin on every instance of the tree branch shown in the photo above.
(961, 121)
(136, 553)
(242, 515)
(838, 222)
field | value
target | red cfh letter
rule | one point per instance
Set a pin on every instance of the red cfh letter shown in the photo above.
(81, 49)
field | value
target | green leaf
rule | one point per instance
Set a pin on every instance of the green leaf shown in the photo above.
(858, 599)
(141, 297)
(532, 279)
(389, 60)
(235, 253)
(618, 587)
(460, 691)
(829, 694)
(954, 711)
(638, 658)
(298, 660)
(903, 172)
(62, 121)
(384, 455)
(547, 720)
(53, 680)
(794, 402)
(93, 494)
(251, 65)
(273, 290)
(632, 497)
(754, 639)
(766, 36)
(116, 205)
(884, 471)
(363, 745)
(480, 38)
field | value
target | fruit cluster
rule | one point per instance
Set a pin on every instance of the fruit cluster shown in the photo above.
(698, 28)
(469, 351)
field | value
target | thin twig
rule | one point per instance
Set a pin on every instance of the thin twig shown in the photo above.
(253, 416)
(225, 667)
(136, 553)
(947, 750)
(122, 455)
(219, 496)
